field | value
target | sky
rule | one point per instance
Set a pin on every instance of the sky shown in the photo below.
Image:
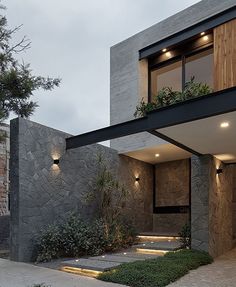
(71, 40)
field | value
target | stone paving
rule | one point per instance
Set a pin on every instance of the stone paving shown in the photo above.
(15, 274)
(222, 273)
(110, 261)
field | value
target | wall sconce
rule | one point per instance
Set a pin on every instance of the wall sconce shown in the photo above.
(56, 161)
(137, 179)
(219, 170)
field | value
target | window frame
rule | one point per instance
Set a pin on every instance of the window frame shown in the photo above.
(182, 58)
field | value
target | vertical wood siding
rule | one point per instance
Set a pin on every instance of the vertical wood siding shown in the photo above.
(225, 56)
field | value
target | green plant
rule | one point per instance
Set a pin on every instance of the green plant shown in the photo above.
(157, 272)
(166, 96)
(49, 243)
(185, 236)
(79, 237)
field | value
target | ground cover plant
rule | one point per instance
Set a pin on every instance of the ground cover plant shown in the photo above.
(157, 272)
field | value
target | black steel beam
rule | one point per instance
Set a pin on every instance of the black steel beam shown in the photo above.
(189, 32)
(174, 142)
(199, 108)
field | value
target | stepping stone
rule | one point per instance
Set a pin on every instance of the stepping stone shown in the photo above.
(162, 245)
(90, 264)
(139, 256)
(121, 258)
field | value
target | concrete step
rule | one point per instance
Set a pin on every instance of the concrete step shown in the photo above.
(93, 266)
(161, 245)
(144, 237)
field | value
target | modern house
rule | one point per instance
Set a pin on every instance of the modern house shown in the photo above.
(179, 160)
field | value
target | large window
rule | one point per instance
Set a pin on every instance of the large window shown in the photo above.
(174, 73)
(200, 66)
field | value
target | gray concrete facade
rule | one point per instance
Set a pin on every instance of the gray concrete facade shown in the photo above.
(129, 76)
(42, 192)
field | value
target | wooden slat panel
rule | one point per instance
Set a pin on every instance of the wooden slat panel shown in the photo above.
(225, 56)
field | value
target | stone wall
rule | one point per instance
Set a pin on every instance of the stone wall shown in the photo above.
(211, 205)
(4, 167)
(42, 192)
(172, 189)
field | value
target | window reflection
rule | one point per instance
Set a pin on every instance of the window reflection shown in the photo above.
(200, 66)
(168, 76)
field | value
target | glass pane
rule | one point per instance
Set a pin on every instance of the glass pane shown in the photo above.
(200, 66)
(168, 76)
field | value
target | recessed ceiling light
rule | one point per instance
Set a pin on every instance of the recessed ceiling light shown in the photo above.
(205, 38)
(224, 124)
(164, 50)
(203, 33)
(157, 155)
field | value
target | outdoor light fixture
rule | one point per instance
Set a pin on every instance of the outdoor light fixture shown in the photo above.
(137, 178)
(205, 38)
(168, 54)
(157, 155)
(203, 33)
(224, 124)
(164, 50)
(56, 161)
(219, 170)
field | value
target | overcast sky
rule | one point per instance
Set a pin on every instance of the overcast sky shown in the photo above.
(71, 40)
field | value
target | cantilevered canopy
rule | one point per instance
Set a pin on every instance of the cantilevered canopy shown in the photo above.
(193, 125)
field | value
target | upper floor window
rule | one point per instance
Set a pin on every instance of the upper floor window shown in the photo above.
(176, 67)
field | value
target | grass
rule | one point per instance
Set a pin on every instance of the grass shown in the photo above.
(157, 272)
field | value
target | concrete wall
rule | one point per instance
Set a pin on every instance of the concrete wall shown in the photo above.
(211, 208)
(4, 168)
(129, 77)
(42, 192)
(172, 189)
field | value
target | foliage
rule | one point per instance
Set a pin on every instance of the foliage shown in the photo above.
(157, 272)
(110, 231)
(40, 285)
(49, 243)
(166, 96)
(185, 236)
(75, 237)
(17, 83)
(112, 195)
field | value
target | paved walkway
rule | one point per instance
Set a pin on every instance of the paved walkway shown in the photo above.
(14, 274)
(222, 273)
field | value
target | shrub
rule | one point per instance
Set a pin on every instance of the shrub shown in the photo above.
(185, 236)
(49, 243)
(76, 237)
(166, 96)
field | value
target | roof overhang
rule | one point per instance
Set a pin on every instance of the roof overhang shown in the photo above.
(183, 125)
(184, 35)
